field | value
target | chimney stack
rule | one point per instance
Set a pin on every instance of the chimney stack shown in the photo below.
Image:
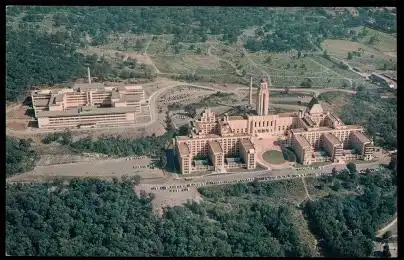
(89, 77)
(251, 91)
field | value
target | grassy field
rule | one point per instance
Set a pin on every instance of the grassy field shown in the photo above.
(214, 61)
(386, 43)
(274, 157)
(372, 56)
(332, 95)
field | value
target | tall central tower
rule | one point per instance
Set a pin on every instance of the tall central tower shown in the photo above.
(263, 98)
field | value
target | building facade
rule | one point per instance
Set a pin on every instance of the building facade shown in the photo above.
(88, 105)
(313, 134)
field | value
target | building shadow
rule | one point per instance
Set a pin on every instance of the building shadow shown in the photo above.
(27, 101)
(33, 124)
(30, 112)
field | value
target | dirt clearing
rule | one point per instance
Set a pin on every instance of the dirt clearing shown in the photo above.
(203, 61)
(97, 168)
(170, 199)
(17, 125)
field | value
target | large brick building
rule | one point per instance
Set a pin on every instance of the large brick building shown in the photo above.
(224, 143)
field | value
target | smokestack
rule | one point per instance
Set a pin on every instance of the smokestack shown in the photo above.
(250, 91)
(89, 77)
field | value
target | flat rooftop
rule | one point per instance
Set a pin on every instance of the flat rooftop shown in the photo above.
(80, 112)
(41, 102)
(363, 138)
(324, 128)
(59, 98)
(308, 121)
(183, 148)
(248, 145)
(302, 141)
(216, 148)
(131, 98)
(236, 118)
(332, 138)
(334, 117)
(287, 114)
(87, 86)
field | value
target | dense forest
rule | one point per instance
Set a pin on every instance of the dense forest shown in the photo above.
(347, 225)
(34, 58)
(89, 217)
(114, 146)
(20, 157)
(97, 218)
(378, 116)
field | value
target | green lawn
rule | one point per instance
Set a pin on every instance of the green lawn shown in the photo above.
(274, 157)
(386, 41)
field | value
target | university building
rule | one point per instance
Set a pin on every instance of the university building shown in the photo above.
(314, 135)
(88, 106)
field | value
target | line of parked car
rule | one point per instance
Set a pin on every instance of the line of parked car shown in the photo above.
(178, 188)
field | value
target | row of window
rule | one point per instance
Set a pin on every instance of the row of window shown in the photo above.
(263, 123)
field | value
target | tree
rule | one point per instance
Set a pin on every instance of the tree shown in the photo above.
(334, 171)
(268, 60)
(386, 251)
(337, 185)
(351, 167)
(20, 157)
(190, 110)
(184, 130)
(135, 179)
(138, 45)
(350, 55)
(299, 54)
(198, 51)
(374, 39)
(387, 235)
(307, 83)
(325, 54)
(393, 163)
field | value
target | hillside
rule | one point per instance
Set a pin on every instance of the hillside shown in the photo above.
(49, 45)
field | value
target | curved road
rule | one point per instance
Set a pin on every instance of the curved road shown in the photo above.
(153, 101)
(387, 227)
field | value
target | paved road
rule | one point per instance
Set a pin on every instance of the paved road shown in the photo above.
(215, 179)
(391, 226)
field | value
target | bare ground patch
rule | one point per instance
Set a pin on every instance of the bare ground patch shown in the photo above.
(18, 126)
(107, 168)
(140, 58)
(391, 54)
(165, 199)
(18, 112)
(203, 61)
